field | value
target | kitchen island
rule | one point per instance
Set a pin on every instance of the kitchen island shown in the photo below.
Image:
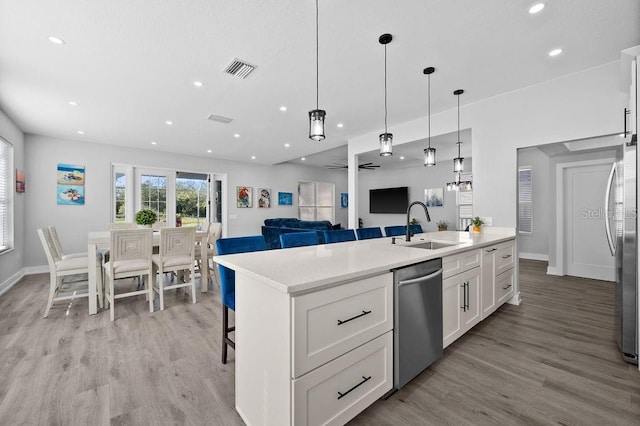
(295, 364)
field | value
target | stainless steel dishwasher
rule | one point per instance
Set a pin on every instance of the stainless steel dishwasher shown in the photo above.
(417, 329)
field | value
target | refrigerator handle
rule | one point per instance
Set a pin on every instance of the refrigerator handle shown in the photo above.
(606, 209)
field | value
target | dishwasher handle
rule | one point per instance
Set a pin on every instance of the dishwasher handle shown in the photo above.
(419, 279)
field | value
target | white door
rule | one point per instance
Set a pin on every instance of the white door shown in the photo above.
(586, 251)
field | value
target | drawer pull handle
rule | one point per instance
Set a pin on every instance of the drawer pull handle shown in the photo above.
(340, 322)
(506, 256)
(504, 288)
(364, 380)
(493, 249)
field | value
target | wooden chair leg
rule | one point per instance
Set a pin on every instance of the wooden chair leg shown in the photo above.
(53, 287)
(150, 291)
(161, 288)
(112, 313)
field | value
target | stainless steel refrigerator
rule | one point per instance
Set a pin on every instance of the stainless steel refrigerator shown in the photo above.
(621, 214)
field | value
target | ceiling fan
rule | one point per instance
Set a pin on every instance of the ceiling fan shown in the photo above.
(363, 166)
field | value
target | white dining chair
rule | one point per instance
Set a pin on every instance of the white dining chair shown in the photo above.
(130, 256)
(215, 231)
(59, 289)
(176, 254)
(58, 246)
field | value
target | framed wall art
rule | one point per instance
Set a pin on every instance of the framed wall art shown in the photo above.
(20, 180)
(244, 196)
(264, 198)
(434, 197)
(285, 198)
(70, 189)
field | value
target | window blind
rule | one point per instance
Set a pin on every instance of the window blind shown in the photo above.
(6, 162)
(525, 199)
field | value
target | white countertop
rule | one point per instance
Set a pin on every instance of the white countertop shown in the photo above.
(302, 269)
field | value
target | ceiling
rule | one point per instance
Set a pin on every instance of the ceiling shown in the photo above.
(130, 65)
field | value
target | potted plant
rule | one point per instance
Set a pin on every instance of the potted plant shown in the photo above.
(443, 225)
(146, 217)
(476, 222)
(414, 221)
(360, 223)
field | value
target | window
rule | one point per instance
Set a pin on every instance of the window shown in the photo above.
(316, 201)
(525, 200)
(120, 187)
(153, 194)
(6, 180)
(464, 201)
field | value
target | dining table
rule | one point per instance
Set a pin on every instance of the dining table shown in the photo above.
(100, 240)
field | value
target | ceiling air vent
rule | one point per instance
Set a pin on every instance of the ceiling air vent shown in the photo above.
(219, 119)
(239, 68)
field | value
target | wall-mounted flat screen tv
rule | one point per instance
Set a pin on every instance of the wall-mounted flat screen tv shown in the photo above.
(389, 200)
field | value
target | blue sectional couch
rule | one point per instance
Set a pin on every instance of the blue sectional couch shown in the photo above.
(274, 227)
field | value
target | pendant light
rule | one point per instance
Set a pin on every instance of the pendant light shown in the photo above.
(429, 153)
(316, 117)
(458, 162)
(386, 139)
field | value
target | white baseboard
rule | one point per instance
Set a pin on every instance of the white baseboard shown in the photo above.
(31, 270)
(5, 286)
(534, 256)
(552, 270)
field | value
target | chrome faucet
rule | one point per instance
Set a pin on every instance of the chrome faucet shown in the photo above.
(426, 211)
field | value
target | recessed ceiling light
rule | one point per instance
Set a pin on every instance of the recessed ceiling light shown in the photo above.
(154, 143)
(56, 40)
(283, 108)
(236, 135)
(73, 103)
(209, 151)
(402, 157)
(169, 123)
(555, 52)
(286, 145)
(303, 158)
(253, 157)
(81, 132)
(198, 83)
(340, 125)
(536, 8)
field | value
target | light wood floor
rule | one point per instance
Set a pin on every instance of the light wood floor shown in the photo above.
(551, 360)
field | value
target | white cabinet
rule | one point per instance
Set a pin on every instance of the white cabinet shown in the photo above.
(315, 358)
(460, 295)
(497, 262)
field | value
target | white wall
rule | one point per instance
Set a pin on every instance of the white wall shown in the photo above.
(11, 261)
(536, 245)
(577, 106)
(417, 179)
(74, 222)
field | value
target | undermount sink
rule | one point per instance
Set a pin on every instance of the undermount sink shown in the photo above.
(432, 245)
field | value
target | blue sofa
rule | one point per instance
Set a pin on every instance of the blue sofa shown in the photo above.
(272, 229)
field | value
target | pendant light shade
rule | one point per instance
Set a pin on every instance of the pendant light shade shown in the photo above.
(429, 156)
(458, 162)
(429, 153)
(316, 124)
(386, 138)
(316, 116)
(386, 144)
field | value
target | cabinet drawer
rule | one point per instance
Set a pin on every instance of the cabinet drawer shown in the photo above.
(504, 257)
(342, 388)
(471, 259)
(452, 265)
(330, 322)
(504, 287)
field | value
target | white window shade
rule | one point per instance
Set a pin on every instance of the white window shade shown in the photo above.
(525, 199)
(6, 166)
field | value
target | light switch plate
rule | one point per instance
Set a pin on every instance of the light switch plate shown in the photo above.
(488, 220)
(233, 216)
